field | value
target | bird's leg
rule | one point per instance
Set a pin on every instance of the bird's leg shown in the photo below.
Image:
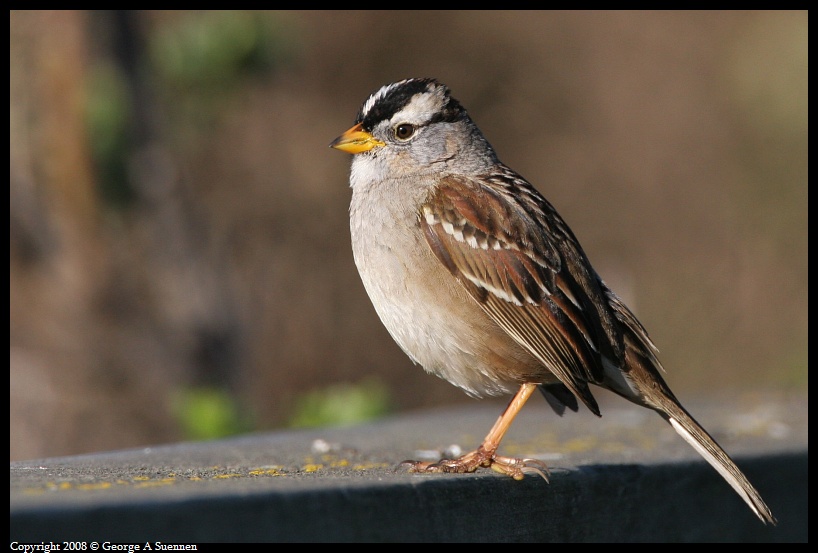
(485, 455)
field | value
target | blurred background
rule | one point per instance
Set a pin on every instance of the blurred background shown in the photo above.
(180, 265)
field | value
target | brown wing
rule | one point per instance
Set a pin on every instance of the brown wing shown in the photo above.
(537, 286)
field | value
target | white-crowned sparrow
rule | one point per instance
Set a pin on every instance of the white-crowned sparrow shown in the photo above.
(480, 281)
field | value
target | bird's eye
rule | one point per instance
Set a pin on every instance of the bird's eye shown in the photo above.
(404, 131)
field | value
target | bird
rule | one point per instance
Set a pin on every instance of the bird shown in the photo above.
(481, 282)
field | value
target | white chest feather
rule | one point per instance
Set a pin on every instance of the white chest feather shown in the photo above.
(418, 300)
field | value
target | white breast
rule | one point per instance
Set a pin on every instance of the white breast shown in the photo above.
(417, 299)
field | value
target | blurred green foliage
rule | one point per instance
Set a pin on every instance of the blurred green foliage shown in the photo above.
(192, 62)
(208, 413)
(210, 51)
(341, 404)
(108, 118)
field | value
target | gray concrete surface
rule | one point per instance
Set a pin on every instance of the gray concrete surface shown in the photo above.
(624, 477)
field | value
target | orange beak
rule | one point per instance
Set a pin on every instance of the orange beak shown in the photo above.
(355, 141)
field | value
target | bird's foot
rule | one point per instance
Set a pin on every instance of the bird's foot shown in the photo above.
(481, 457)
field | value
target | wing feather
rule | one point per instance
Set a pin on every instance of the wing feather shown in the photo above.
(522, 277)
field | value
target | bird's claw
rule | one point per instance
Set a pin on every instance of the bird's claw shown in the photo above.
(470, 462)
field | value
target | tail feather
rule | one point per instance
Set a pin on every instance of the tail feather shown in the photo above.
(654, 393)
(707, 447)
(643, 384)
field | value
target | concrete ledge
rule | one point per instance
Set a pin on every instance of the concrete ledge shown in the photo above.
(624, 477)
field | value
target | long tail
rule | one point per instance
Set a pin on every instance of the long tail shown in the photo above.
(646, 386)
(693, 433)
